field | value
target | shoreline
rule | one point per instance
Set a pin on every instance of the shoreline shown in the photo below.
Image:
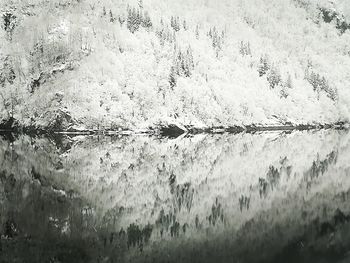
(174, 131)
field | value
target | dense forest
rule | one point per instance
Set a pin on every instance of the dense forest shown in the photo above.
(85, 64)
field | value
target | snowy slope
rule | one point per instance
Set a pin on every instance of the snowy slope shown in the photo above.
(220, 64)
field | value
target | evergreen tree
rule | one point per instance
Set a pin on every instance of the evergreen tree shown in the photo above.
(179, 63)
(129, 21)
(161, 35)
(140, 4)
(172, 22)
(215, 38)
(283, 93)
(139, 18)
(197, 32)
(7, 78)
(177, 20)
(175, 24)
(263, 66)
(185, 25)
(274, 77)
(146, 21)
(9, 23)
(133, 20)
(111, 18)
(319, 83)
(190, 58)
(244, 49)
(172, 77)
(7, 73)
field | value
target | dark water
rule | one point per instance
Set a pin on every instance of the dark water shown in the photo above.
(268, 197)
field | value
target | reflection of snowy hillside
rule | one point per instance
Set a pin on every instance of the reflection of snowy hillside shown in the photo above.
(187, 175)
(256, 191)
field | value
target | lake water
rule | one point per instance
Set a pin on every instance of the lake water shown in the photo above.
(265, 197)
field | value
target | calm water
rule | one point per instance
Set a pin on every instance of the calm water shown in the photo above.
(268, 197)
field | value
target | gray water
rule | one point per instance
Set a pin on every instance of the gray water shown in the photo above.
(265, 197)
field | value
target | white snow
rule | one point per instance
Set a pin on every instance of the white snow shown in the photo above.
(121, 79)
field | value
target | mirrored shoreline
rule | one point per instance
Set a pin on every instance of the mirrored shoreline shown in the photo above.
(203, 198)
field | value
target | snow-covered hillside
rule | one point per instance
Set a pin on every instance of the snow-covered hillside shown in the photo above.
(133, 64)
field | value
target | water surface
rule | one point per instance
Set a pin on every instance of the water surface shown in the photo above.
(265, 197)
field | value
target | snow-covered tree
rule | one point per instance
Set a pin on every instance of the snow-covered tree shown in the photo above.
(319, 83)
(197, 31)
(274, 77)
(244, 48)
(111, 17)
(183, 65)
(7, 78)
(133, 20)
(175, 23)
(264, 65)
(9, 23)
(172, 77)
(146, 20)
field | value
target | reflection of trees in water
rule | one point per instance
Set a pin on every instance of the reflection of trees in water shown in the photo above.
(182, 194)
(273, 177)
(168, 224)
(319, 167)
(312, 230)
(68, 221)
(262, 187)
(198, 165)
(39, 223)
(138, 236)
(217, 213)
(244, 202)
(164, 221)
(244, 150)
(51, 226)
(271, 182)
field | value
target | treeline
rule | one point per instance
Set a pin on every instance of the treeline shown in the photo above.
(270, 70)
(136, 17)
(182, 65)
(320, 83)
(217, 39)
